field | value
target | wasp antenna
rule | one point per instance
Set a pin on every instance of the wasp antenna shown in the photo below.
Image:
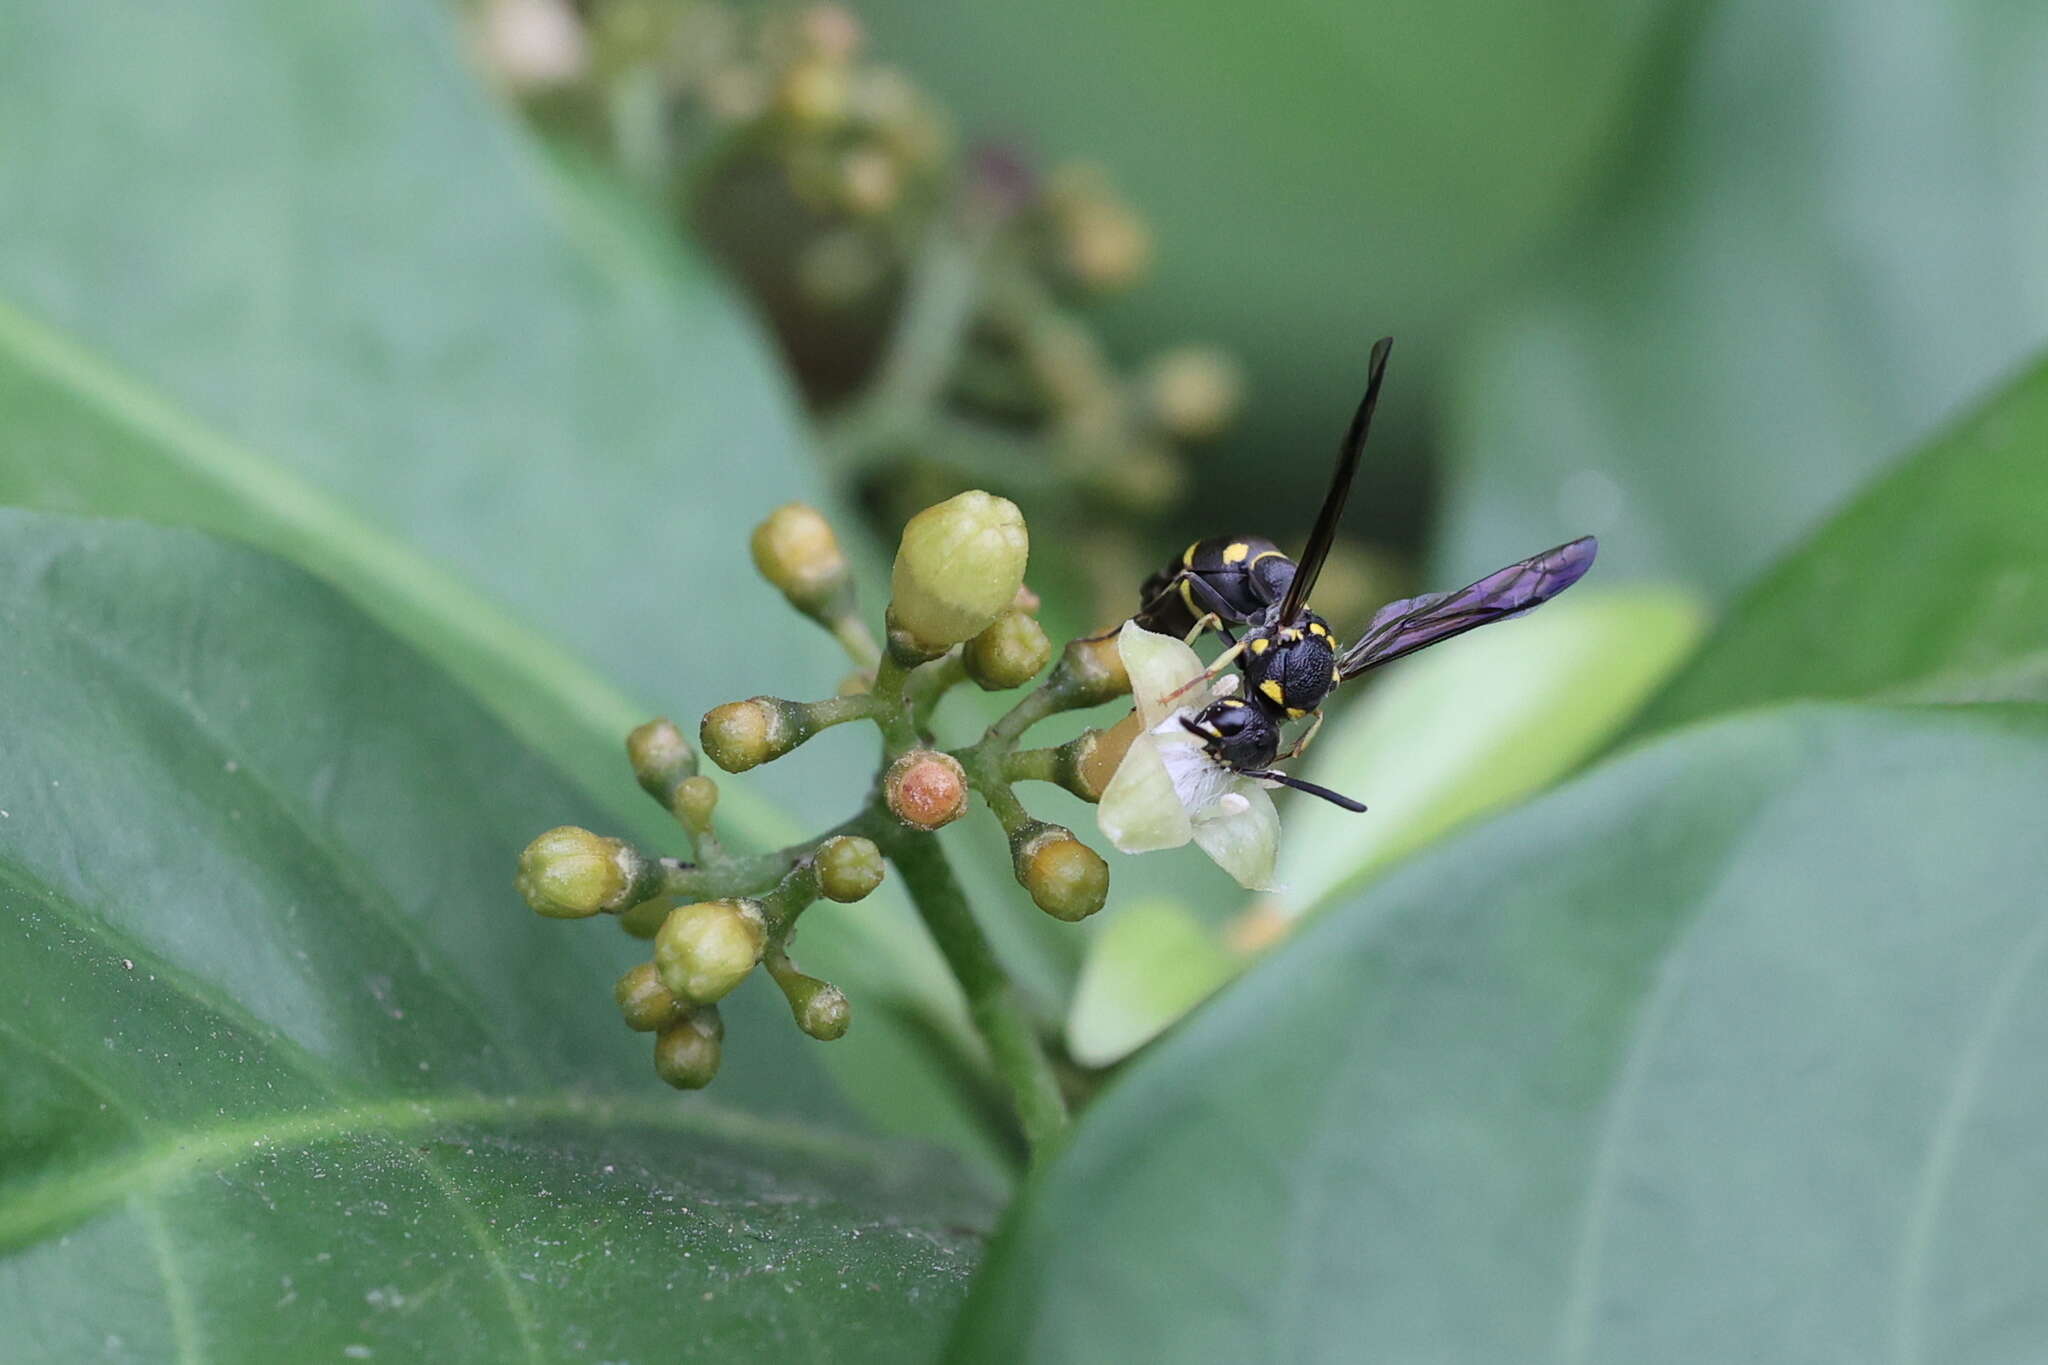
(1324, 535)
(1287, 780)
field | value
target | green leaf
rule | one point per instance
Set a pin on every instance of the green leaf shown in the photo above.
(1932, 585)
(291, 1074)
(1475, 725)
(304, 284)
(1724, 1052)
(1313, 175)
(1829, 240)
(1147, 967)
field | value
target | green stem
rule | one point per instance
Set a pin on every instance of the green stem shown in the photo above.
(891, 708)
(992, 999)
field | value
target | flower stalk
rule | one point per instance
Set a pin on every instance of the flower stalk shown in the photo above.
(958, 614)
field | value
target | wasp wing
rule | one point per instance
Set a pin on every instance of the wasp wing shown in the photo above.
(1401, 628)
(1310, 566)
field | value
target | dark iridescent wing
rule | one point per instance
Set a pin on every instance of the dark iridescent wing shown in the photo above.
(1324, 535)
(1401, 628)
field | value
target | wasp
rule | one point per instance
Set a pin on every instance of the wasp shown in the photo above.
(1288, 657)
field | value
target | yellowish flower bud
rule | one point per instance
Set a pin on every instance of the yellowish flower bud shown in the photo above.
(745, 734)
(706, 949)
(1066, 878)
(1091, 672)
(1009, 653)
(570, 873)
(687, 1052)
(643, 921)
(646, 1004)
(1194, 392)
(821, 1008)
(869, 182)
(831, 31)
(795, 549)
(926, 789)
(849, 867)
(696, 799)
(661, 757)
(813, 93)
(959, 564)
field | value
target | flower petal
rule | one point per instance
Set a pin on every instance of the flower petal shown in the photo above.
(1140, 812)
(1199, 780)
(1243, 842)
(1160, 665)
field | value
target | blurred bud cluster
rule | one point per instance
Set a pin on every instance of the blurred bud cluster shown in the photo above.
(928, 297)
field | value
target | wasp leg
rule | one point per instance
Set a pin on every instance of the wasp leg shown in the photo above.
(1212, 602)
(1222, 662)
(1301, 745)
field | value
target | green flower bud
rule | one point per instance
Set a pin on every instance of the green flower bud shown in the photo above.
(695, 800)
(796, 551)
(959, 564)
(1066, 878)
(745, 734)
(870, 183)
(1091, 671)
(1194, 392)
(926, 789)
(570, 873)
(849, 867)
(1010, 653)
(643, 921)
(831, 31)
(1086, 765)
(820, 1007)
(661, 757)
(706, 949)
(646, 1004)
(813, 93)
(687, 1052)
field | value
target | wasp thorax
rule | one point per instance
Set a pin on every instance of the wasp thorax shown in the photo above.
(1291, 668)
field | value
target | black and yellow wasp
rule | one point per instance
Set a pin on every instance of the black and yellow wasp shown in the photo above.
(1251, 593)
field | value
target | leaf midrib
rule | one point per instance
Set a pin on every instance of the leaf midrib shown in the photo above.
(371, 567)
(181, 1153)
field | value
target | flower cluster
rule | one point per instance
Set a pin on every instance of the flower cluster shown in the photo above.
(958, 612)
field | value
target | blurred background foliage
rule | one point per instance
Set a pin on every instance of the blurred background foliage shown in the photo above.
(1681, 275)
(507, 317)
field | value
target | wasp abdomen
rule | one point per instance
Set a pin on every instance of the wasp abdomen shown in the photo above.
(1245, 574)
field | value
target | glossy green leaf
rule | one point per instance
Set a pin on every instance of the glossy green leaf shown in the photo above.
(1476, 724)
(291, 1074)
(1829, 239)
(1314, 175)
(1932, 585)
(1726, 1051)
(1151, 964)
(294, 277)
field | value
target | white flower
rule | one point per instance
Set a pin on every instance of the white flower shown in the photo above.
(1168, 790)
